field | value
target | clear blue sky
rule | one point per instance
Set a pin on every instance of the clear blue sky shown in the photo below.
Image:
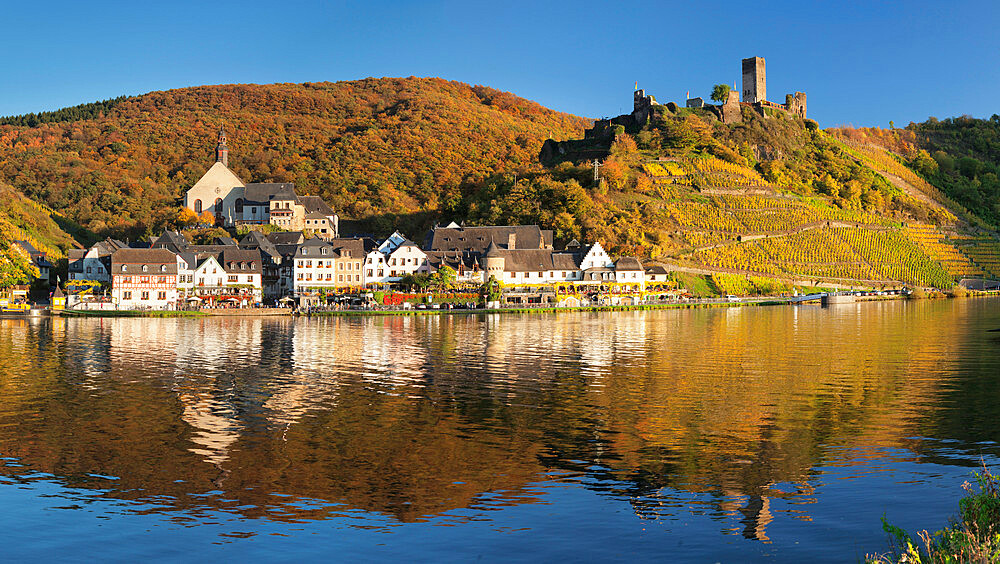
(861, 63)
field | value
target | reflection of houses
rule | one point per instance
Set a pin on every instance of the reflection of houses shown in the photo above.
(232, 202)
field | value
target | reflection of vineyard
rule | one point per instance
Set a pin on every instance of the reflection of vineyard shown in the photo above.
(414, 417)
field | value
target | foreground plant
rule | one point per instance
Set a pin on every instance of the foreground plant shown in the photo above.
(974, 538)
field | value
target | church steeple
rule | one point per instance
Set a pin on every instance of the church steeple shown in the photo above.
(221, 151)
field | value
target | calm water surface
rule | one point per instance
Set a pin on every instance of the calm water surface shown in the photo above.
(731, 435)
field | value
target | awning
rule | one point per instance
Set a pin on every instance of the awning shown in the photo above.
(194, 299)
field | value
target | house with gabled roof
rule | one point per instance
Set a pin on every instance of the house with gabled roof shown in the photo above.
(144, 279)
(94, 263)
(38, 258)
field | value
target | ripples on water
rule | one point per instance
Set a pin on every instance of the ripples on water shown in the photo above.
(742, 433)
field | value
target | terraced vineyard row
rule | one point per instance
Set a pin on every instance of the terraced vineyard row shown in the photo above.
(850, 253)
(743, 215)
(744, 285)
(986, 255)
(932, 242)
(724, 174)
(663, 169)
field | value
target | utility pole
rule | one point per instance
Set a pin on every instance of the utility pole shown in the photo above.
(597, 176)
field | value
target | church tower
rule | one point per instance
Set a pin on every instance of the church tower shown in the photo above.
(221, 151)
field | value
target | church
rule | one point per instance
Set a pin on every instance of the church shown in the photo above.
(234, 202)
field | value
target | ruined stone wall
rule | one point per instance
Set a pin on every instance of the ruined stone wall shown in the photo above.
(731, 112)
(795, 104)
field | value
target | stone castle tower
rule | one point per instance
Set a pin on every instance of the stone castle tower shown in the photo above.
(754, 80)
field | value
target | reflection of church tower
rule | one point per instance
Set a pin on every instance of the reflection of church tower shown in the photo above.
(221, 151)
(756, 516)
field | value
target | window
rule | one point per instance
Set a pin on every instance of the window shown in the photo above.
(126, 295)
(368, 272)
(381, 273)
(301, 264)
(163, 268)
(161, 295)
(162, 280)
(145, 268)
(309, 276)
(233, 278)
(218, 206)
(145, 296)
(88, 270)
(197, 206)
(340, 266)
(357, 278)
(239, 205)
(127, 279)
(250, 279)
(340, 278)
(144, 279)
(124, 268)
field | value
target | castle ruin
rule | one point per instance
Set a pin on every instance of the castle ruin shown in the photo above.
(755, 90)
(598, 139)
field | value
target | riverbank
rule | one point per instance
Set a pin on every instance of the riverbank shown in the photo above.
(691, 304)
(641, 307)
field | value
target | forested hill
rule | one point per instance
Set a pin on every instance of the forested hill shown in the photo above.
(369, 147)
(960, 156)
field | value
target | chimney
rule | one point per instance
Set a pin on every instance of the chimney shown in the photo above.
(511, 241)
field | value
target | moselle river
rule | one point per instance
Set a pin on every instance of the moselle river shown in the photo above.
(742, 434)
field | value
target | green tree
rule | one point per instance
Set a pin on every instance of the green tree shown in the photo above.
(489, 291)
(444, 277)
(720, 93)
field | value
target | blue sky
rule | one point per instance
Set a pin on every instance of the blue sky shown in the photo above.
(861, 63)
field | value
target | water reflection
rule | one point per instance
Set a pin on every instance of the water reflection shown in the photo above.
(713, 412)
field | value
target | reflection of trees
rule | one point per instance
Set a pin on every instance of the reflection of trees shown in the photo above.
(418, 416)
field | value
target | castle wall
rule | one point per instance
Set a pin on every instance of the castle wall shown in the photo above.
(796, 104)
(731, 112)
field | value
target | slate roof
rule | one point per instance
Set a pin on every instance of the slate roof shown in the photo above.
(262, 193)
(171, 240)
(656, 269)
(315, 204)
(28, 247)
(459, 260)
(628, 263)
(228, 241)
(233, 258)
(477, 239)
(190, 259)
(153, 257)
(359, 246)
(286, 237)
(527, 260)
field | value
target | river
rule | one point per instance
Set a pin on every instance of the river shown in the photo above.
(731, 435)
